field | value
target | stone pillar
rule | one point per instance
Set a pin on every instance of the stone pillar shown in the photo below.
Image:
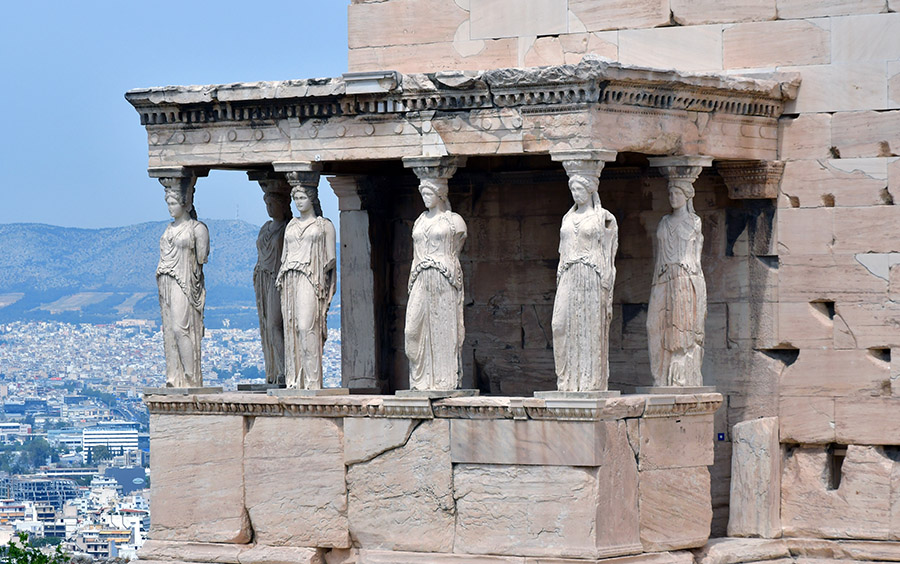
(269, 246)
(582, 308)
(360, 327)
(676, 316)
(754, 509)
(434, 330)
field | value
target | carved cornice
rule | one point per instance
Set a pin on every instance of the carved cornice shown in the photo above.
(591, 83)
(620, 407)
(677, 405)
(751, 180)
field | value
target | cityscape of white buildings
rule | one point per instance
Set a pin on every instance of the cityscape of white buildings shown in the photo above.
(79, 387)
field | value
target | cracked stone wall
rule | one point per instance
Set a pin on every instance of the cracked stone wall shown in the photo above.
(239, 489)
(510, 259)
(804, 328)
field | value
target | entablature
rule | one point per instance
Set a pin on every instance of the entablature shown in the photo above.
(386, 115)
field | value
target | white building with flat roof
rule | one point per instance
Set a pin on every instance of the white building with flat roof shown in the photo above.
(117, 436)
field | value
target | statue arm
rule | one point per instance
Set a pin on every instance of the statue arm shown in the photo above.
(201, 238)
(330, 245)
(697, 247)
(459, 225)
(614, 235)
(284, 247)
(657, 252)
(330, 259)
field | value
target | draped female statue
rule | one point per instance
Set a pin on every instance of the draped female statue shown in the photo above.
(676, 317)
(582, 310)
(307, 283)
(183, 250)
(269, 246)
(434, 314)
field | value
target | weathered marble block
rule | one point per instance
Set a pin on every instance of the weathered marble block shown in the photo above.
(294, 483)
(544, 443)
(196, 493)
(403, 498)
(859, 507)
(674, 512)
(531, 508)
(755, 504)
(676, 443)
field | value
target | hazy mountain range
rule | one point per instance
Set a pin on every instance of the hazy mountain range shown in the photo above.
(103, 275)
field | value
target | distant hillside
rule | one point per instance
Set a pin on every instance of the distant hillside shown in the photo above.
(102, 275)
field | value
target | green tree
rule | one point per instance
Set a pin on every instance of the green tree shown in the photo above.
(101, 452)
(36, 452)
(24, 552)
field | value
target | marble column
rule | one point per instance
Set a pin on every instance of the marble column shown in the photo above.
(434, 330)
(676, 316)
(360, 327)
(586, 275)
(269, 246)
(183, 250)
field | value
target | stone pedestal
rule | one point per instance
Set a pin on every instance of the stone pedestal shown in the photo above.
(293, 392)
(414, 479)
(554, 394)
(675, 390)
(435, 394)
(258, 387)
(181, 391)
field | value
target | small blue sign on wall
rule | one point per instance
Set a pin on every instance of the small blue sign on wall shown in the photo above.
(721, 436)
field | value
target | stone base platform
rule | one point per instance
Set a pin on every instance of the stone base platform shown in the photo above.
(796, 550)
(463, 480)
(669, 390)
(258, 387)
(577, 395)
(294, 392)
(208, 553)
(181, 391)
(436, 394)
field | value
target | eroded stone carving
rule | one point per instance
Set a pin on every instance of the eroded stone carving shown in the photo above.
(183, 250)
(307, 282)
(582, 309)
(676, 316)
(434, 330)
(269, 246)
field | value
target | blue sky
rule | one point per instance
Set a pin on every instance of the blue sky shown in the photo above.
(72, 150)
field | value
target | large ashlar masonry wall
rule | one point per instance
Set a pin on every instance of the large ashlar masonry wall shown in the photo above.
(808, 337)
(250, 479)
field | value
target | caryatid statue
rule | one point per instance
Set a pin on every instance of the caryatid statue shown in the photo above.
(582, 309)
(307, 280)
(183, 250)
(434, 330)
(269, 246)
(676, 317)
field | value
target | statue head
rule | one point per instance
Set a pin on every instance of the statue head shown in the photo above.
(306, 198)
(278, 205)
(681, 193)
(179, 196)
(584, 188)
(435, 192)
